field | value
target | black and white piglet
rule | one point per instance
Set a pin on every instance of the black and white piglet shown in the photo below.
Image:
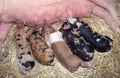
(100, 42)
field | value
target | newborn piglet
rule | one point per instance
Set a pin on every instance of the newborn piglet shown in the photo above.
(62, 52)
(24, 52)
(76, 43)
(42, 53)
(101, 43)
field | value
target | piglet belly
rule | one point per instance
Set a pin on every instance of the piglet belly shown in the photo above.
(34, 13)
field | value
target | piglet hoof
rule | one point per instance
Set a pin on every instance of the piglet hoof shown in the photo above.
(3, 52)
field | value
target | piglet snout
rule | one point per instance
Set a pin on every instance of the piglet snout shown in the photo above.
(29, 64)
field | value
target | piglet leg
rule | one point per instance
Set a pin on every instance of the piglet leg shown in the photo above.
(4, 29)
(107, 16)
(111, 8)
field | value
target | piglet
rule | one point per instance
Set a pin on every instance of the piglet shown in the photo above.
(62, 51)
(24, 52)
(42, 53)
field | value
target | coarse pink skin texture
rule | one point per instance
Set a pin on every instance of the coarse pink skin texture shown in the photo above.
(40, 12)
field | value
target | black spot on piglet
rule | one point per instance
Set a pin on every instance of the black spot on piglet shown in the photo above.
(29, 52)
(18, 35)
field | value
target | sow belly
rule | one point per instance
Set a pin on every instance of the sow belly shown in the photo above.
(40, 12)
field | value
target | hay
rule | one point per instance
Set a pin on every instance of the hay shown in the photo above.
(108, 63)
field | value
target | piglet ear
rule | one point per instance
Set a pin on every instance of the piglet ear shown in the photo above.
(20, 25)
(47, 29)
(44, 33)
(43, 30)
(30, 31)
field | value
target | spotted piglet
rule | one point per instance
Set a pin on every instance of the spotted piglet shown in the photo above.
(42, 53)
(24, 52)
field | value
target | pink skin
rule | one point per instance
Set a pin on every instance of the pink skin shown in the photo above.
(108, 13)
(112, 12)
(41, 12)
